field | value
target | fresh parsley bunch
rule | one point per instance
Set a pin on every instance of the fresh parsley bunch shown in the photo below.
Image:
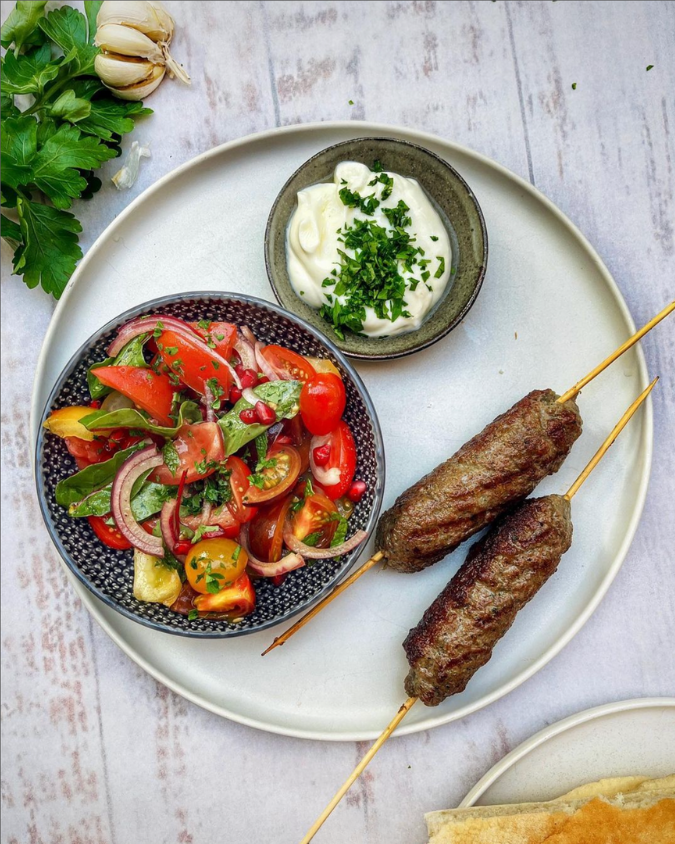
(59, 123)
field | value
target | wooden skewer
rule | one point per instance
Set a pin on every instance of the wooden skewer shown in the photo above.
(378, 556)
(358, 770)
(407, 706)
(331, 596)
(572, 392)
(599, 454)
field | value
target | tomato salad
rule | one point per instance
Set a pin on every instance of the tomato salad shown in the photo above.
(218, 459)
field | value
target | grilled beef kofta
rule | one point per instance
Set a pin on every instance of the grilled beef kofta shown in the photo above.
(502, 572)
(487, 476)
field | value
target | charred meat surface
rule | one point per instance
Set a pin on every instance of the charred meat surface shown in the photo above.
(502, 572)
(487, 476)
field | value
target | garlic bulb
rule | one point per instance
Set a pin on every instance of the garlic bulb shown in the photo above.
(134, 36)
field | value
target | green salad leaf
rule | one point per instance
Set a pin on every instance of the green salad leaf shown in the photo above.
(146, 502)
(130, 355)
(129, 417)
(78, 486)
(282, 396)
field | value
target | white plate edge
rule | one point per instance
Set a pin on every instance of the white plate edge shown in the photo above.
(556, 729)
(647, 435)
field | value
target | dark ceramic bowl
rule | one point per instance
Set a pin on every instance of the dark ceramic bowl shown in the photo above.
(459, 211)
(108, 573)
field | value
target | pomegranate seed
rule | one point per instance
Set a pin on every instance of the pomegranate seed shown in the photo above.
(283, 439)
(235, 395)
(356, 491)
(182, 546)
(321, 455)
(249, 416)
(249, 378)
(240, 369)
(96, 404)
(266, 416)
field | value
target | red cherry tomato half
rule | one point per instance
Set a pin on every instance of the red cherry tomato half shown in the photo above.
(145, 388)
(342, 456)
(277, 477)
(223, 336)
(240, 484)
(200, 450)
(108, 534)
(316, 516)
(322, 403)
(287, 364)
(195, 363)
(266, 530)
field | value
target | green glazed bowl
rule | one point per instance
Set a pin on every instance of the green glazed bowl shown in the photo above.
(459, 211)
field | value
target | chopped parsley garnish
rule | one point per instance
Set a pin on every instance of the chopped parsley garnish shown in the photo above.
(574, 86)
(388, 183)
(203, 466)
(353, 199)
(236, 553)
(433, 237)
(193, 614)
(204, 324)
(201, 530)
(441, 266)
(170, 350)
(171, 458)
(649, 67)
(377, 166)
(158, 330)
(216, 390)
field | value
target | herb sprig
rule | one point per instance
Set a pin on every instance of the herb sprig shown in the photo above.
(51, 147)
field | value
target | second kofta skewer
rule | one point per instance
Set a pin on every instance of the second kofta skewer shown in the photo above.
(539, 531)
(551, 423)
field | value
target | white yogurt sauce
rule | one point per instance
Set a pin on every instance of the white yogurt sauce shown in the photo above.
(312, 243)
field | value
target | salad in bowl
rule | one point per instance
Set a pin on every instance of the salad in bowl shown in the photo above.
(221, 462)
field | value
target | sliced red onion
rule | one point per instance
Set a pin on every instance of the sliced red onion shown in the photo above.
(288, 563)
(249, 336)
(250, 396)
(326, 477)
(264, 367)
(321, 553)
(167, 524)
(208, 397)
(120, 499)
(143, 325)
(247, 355)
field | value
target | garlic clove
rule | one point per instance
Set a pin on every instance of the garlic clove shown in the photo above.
(141, 90)
(120, 71)
(115, 38)
(157, 24)
(164, 18)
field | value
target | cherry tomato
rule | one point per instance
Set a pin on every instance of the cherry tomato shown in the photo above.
(287, 364)
(195, 363)
(233, 602)
(147, 389)
(86, 453)
(239, 483)
(316, 516)
(223, 335)
(322, 403)
(108, 534)
(200, 450)
(225, 521)
(298, 436)
(266, 530)
(343, 457)
(278, 475)
(214, 564)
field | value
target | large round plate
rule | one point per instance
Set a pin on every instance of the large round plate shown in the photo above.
(548, 312)
(626, 738)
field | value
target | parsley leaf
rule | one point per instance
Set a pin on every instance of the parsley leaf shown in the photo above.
(28, 73)
(20, 26)
(49, 251)
(171, 458)
(67, 28)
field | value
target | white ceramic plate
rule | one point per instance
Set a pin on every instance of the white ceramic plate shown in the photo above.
(548, 312)
(626, 738)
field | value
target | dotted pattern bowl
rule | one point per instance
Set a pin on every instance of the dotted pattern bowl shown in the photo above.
(108, 573)
(458, 208)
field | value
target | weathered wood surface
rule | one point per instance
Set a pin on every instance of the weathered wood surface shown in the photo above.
(96, 751)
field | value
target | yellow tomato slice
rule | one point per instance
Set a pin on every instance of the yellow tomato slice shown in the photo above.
(324, 365)
(66, 423)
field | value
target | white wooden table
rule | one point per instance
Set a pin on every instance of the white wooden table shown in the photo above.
(96, 751)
